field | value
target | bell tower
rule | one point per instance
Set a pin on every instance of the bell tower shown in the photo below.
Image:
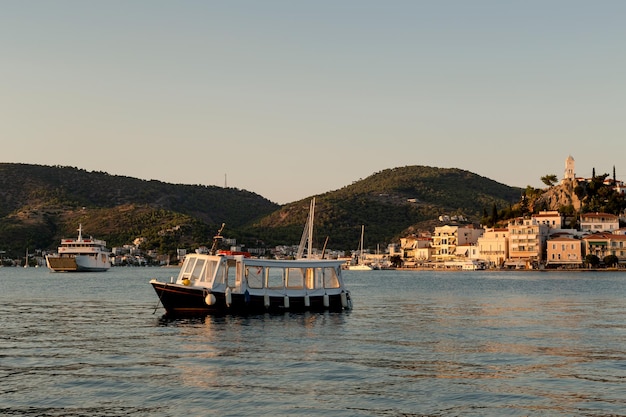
(570, 172)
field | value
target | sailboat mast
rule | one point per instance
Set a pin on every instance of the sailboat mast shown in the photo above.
(311, 221)
(307, 234)
(362, 232)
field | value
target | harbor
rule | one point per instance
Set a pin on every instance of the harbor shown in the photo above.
(471, 343)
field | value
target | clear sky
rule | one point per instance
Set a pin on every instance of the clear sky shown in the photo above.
(289, 99)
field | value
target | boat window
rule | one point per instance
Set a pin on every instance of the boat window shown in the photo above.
(197, 270)
(275, 277)
(231, 274)
(295, 278)
(255, 276)
(330, 278)
(220, 277)
(310, 278)
(188, 266)
(209, 271)
(315, 278)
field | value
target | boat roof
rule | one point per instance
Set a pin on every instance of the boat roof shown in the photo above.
(285, 263)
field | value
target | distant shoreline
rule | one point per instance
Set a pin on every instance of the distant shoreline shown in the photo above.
(506, 270)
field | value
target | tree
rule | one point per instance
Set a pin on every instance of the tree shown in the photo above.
(610, 260)
(549, 180)
(592, 260)
(396, 261)
(494, 214)
(614, 177)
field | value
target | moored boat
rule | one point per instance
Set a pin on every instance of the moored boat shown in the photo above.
(237, 284)
(222, 283)
(80, 255)
(356, 263)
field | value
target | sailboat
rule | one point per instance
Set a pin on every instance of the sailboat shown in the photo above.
(358, 264)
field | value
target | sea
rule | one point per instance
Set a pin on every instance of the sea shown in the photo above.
(417, 343)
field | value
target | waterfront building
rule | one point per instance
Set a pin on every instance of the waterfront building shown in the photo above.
(603, 244)
(416, 250)
(527, 242)
(493, 246)
(564, 251)
(447, 238)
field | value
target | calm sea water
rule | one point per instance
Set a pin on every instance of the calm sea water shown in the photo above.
(416, 344)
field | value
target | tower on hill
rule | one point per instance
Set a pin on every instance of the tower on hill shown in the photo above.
(570, 172)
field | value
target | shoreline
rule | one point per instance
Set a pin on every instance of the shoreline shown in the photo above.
(506, 270)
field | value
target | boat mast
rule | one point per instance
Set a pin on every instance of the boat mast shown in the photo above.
(360, 251)
(216, 240)
(307, 233)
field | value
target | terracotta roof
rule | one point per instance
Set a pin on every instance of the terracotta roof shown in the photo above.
(562, 239)
(605, 235)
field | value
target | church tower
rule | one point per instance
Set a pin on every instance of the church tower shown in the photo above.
(570, 173)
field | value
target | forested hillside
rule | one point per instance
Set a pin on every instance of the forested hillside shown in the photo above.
(390, 203)
(42, 204)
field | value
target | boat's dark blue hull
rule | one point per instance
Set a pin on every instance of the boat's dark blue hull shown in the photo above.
(179, 299)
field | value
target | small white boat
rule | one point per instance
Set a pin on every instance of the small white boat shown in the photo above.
(358, 264)
(359, 267)
(219, 283)
(80, 255)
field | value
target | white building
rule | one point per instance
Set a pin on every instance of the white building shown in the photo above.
(494, 246)
(599, 222)
(447, 238)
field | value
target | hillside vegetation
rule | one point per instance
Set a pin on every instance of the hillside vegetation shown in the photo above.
(390, 204)
(42, 204)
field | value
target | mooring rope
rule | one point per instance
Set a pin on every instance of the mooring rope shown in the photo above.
(159, 301)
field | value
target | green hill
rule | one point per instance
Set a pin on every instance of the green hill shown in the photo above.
(42, 204)
(390, 204)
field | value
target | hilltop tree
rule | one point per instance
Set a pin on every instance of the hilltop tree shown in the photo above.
(549, 180)
(614, 177)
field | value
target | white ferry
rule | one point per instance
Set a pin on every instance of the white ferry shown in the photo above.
(80, 255)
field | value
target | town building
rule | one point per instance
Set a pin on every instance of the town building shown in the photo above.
(564, 251)
(493, 246)
(447, 238)
(416, 250)
(552, 219)
(599, 222)
(527, 240)
(603, 244)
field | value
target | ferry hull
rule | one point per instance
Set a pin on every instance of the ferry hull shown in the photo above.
(182, 300)
(76, 264)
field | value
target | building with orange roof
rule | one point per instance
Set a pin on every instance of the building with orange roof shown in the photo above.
(564, 251)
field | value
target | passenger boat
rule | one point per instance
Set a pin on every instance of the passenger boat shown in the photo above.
(219, 283)
(80, 255)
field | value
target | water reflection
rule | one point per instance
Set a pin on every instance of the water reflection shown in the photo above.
(527, 344)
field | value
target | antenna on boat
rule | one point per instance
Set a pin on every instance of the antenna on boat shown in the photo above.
(307, 234)
(217, 239)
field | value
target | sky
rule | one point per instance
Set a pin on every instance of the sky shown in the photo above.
(290, 99)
